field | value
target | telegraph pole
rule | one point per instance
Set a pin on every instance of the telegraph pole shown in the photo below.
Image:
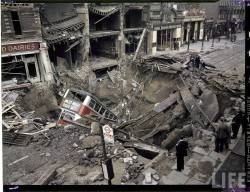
(203, 38)
(213, 33)
(188, 30)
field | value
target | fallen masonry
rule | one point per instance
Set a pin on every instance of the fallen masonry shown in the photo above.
(149, 102)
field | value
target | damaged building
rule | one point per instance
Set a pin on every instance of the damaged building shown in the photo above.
(125, 91)
(24, 53)
(62, 29)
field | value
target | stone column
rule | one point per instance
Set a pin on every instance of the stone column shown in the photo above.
(154, 42)
(188, 30)
(84, 46)
(195, 30)
(45, 65)
(201, 30)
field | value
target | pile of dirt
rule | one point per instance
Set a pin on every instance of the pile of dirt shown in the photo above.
(40, 99)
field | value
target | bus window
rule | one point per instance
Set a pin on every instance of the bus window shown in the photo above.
(92, 103)
(102, 110)
(107, 114)
(97, 107)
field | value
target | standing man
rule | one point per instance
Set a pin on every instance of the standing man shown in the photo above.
(236, 124)
(181, 152)
(222, 135)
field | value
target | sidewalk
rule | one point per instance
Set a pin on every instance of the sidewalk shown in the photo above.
(207, 47)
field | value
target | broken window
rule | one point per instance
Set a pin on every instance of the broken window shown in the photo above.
(97, 107)
(32, 69)
(15, 70)
(102, 110)
(92, 103)
(16, 22)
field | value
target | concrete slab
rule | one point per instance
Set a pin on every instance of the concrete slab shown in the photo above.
(165, 181)
(177, 177)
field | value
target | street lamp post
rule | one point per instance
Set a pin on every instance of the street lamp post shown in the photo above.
(188, 30)
(213, 33)
(203, 38)
(105, 157)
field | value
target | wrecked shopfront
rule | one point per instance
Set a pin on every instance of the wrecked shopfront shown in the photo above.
(24, 55)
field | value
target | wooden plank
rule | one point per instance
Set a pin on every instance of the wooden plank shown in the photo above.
(18, 160)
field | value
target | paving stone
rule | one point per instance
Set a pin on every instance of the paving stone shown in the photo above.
(177, 177)
(165, 181)
(199, 151)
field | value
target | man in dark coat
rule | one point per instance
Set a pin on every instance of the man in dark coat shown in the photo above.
(236, 122)
(181, 152)
(222, 135)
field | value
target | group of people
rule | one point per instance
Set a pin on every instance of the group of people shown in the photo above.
(222, 136)
(223, 130)
(196, 62)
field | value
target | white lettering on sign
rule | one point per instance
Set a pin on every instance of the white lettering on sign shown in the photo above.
(108, 135)
(20, 47)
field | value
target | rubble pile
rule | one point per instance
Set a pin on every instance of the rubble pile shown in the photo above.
(150, 123)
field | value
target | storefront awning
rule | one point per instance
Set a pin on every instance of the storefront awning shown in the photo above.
(103, 10)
